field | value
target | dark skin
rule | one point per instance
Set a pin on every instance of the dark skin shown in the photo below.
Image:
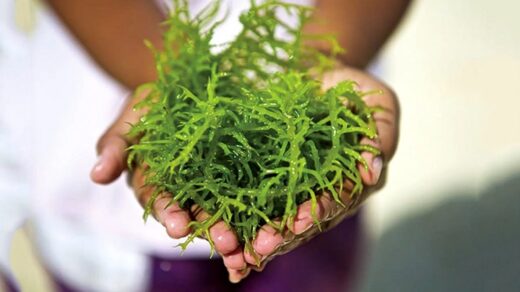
(112, 31)
(361, 26)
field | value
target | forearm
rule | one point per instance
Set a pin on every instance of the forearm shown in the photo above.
(112, 31)
(361, 26)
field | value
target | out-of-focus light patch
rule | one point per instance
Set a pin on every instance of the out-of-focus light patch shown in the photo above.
(25, 14)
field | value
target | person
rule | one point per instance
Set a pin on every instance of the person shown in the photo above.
(112, 34)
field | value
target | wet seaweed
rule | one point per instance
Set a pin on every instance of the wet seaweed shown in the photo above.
(247, 133)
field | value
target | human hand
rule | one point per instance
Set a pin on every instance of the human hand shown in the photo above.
(270, 242)
(112, 162)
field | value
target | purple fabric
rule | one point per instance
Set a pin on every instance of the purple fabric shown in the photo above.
(328, 263)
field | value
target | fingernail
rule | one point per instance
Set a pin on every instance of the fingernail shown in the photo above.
(377, 167)
(100, 164)
(234, 279)
(234, 276)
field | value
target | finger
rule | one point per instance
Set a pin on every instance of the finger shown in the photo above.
(236, 276)
(251, 259)
(112, 145)
(260, 266)
(172, 216)
(224, 239)
(168, 213)
(387, 120)
(235, 260)
(305, 218)
(371, 170)
(111, 160)
(267, 240)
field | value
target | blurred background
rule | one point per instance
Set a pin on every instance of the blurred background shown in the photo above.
(448, 219)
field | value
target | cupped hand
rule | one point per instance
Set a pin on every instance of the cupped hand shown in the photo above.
(270, 242)
(112, 163)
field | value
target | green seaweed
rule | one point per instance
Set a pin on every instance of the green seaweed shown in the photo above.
(247, 133)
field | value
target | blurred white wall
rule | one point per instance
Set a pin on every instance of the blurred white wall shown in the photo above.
(456, 68)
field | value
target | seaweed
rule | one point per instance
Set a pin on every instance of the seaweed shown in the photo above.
(247, 133)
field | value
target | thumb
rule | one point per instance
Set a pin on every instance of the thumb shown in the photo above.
(111, 160)
(111, 147)
(387, 124)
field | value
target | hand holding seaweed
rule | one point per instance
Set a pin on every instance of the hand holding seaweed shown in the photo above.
(270, 242)
(247, 134)
(248, 141)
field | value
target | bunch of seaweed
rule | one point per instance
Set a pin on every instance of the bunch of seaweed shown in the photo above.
(248, 133)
